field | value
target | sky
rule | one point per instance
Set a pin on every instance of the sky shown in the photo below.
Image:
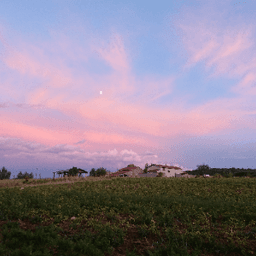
(95, 84)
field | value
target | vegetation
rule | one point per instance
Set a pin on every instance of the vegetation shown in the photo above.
(134, 216)
(146, 168)
(100, 172)
(224, 172)
(160, 174)
(4, 174)
(72, 172)
(145, 171)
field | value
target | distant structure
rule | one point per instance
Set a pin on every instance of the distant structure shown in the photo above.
(66, 172)
(168, 171)
(130, 171)
(152, 171)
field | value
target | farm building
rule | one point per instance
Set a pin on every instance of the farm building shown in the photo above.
(153, 171)
(168, 171)
(128, 171)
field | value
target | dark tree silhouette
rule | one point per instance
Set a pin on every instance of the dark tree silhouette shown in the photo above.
(23, 176)
(202, 169)
(73, 171)
(92, 172)
(4, 174)
(100, 172)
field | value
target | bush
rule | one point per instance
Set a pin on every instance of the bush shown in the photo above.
(217, 175)
(230, 175)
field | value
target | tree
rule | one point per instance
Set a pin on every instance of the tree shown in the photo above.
(101, 172)
(93, 172)
(130, 165)
(73, 171)
(4, 174)
(145, 170)
(202, 169)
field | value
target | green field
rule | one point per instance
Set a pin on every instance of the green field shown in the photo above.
(130, 216)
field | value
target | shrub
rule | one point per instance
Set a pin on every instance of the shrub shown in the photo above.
(217, 175)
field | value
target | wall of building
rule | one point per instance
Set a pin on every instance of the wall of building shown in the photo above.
(169, 172)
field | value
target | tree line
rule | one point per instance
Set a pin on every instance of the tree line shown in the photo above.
(5, 174)
(225, 172)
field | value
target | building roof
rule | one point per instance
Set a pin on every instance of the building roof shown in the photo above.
(125, 170)
(129, 168)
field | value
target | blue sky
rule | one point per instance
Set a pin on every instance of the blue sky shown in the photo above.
(177, 79)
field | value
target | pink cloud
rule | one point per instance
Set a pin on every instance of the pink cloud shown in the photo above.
(107, 138)
(33, 62)
(247, 85)
(115, 55)
(38, 134)
(50, 132)
(206, 37)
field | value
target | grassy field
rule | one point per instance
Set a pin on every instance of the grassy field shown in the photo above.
(128, 216)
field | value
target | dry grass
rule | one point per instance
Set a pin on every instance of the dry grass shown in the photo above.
(33, 182)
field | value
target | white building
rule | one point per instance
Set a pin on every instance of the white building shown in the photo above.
(168, 171)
